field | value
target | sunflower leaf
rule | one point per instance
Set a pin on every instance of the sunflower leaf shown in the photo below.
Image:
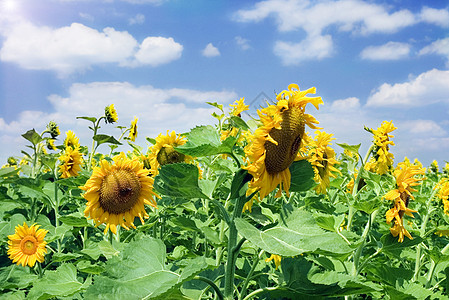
(32, 136)
(302, 176)
(238, 122)
(300, 234)
(139, 272)
(179, 180)
(205, 141)
(103, 138)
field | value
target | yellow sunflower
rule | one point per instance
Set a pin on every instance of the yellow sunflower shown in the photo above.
(322, 158)
(71, 140)
(275, 144)
(163, 151)
(116, 194)
(382, 158)
(110, 114)
(27, 245)
(238, 107)
(70, 162)
(276, 258)
(51, 144)
(405, 181)
(434, 167)
(443, 193)
(133, 130)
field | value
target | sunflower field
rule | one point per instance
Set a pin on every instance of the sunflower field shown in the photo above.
(255, 209)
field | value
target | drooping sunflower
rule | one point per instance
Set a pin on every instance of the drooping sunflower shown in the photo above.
(163, 152)
(382, 158)
(322, 158)
(71, 162)
(275, 144)
(405, 181)
(71, 140)
(116, 194)
(27, 245)
(238, 107)
(51, 144)
(110, 114)
(434, 167)
(133, 130)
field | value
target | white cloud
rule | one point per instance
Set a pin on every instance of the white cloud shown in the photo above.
(314, 18)
(388, 51)
(158, 110)
(78, 47)
(242, 43)
(440, 47)
(423, 127)
(156, 51)
(137, 19)
(314, 47)
(429, 87)
(210, 51)
(438, 17)
(344, 105)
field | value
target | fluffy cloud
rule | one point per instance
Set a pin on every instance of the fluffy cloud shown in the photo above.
(427, 88)
(388, 51)
(355, 16)
(78, 47)
(313, 47)
(210, 51)
(137, 19)
(158, 110)
(440, 47)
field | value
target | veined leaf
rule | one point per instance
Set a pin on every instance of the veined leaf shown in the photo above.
(300, 234)
(301, 176)
(205, 141)
(179, 180)
(32, 136)
(103, 138)
(352, 148)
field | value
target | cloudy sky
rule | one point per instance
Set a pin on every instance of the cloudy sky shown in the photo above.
(160, 60)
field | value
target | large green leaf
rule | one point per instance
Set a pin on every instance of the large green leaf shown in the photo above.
(59, 283)
(178, 180)
(302, 176)
(140, 272)
(32, 136)
(300, 234)
(14, 276)
(205, 141)
(103, 138)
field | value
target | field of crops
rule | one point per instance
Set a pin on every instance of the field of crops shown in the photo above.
(255, 209)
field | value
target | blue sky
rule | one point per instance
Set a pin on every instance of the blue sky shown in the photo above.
(161, 60)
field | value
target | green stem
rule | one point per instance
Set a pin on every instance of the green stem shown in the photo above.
(95, 129)
(259, 291)
(430, 273)
(250, 274)
(56, 208)
(212, 284)
(232, 253)
(358, 253)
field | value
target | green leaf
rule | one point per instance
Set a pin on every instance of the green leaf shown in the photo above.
(107, 249)
(151, 140)
(86, 267)
(329, 222)
(75, 220)
(300, 234)
(238, 123)
(215, 104)
(8, 228)
(389, 275)
(238, 185)
(103, 138)
(14, 276)
(63, 257)
(59, 283)
(92, 119)
(178, 180)
(140, 272)
(352, 148)
(205, 141)
(392, 247)
(301, 176)
(32, 136)
(6, 172)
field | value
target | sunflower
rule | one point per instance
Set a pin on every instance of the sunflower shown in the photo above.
(53, 129)
(382, 158)
(276, 258)
(27, 245)
(405, 181)
(163, 151)
(110, 114)
(51, 144)
(238, 107)
(443, 193)
(71, 140)
(71, 162)
(434, 167)
(133, 130)
(117, 193)
(322, 158)
(275, 144)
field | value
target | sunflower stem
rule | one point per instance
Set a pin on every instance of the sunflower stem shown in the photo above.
(358, 253)
(232, 248)
(250, 274)
(212, 284)
(56, 208)
(95, 129)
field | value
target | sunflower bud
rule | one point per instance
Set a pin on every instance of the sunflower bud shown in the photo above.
(53, 128)
(110, 114)
(168, 155)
